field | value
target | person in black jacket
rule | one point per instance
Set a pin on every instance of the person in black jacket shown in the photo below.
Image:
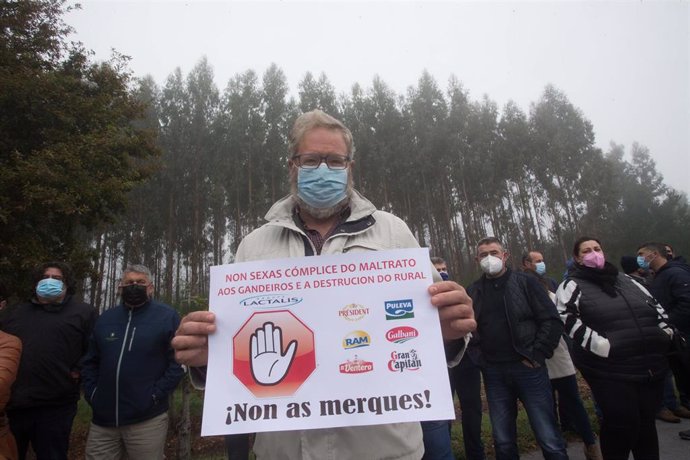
(54, 328)
(671, 287)
(129, 373)
(518, 328)
(620, 339)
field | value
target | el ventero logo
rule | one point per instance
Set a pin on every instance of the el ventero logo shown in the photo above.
(356, 339)
(404, 361)
(270, 300)
(399, 309)
(356, 366)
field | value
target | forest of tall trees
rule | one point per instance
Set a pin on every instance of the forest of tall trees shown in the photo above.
(102, 168)
(453, 168)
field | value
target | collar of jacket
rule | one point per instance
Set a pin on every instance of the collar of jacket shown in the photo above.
(281, 211)
(51, 307)
(136, 309)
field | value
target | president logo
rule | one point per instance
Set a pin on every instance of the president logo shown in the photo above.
(270, 301)
(353, 312)
(401, 334)
(399, 309)
(404, 361)
(356, 339)
(356, 366)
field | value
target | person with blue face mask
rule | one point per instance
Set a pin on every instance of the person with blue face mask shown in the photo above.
(441, 267)
(325, 215)
(572, 414)
(44, 398)
(533, 264)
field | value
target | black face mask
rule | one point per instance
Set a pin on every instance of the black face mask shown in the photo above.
(134, 295)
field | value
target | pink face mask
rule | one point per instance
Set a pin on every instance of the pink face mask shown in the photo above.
(593, 259)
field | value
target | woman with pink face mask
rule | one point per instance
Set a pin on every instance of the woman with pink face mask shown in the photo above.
(620, 339)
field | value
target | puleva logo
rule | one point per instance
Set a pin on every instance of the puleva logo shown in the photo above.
(270, 301)
(399, 309)
(356, 366)
(353, 312)
(401, 334)
(404, 361)
(356, 339)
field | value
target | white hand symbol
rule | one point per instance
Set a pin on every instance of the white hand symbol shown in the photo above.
(267, 363)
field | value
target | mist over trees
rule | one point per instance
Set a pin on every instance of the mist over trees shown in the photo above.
(102, 169)
(455, 169)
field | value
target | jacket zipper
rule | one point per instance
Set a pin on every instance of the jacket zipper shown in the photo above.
(117, 373)
(131, 340)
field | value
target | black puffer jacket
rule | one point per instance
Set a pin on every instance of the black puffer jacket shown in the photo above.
(534, 324)
(620, 338)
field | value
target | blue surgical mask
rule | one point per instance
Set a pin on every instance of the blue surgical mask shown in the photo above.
(540, 268)
(49, 288)
(444, 276)
(322, 187)
(642, 263)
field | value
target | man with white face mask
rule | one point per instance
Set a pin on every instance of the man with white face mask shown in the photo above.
(518, 328)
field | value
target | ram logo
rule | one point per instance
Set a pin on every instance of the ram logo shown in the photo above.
(356, 339)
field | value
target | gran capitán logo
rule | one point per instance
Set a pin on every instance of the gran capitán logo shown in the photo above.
(401, 334)
(353, 312)
(356, 366)
(399, 309)
(356, 339)
(270, 301)
(404, 361)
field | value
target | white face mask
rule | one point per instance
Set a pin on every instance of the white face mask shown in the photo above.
(491, 265)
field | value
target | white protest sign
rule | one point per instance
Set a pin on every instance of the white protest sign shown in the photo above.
(327, 341)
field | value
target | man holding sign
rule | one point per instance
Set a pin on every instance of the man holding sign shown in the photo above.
(324, 215)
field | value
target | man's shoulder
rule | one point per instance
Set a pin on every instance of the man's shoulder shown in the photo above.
(80, 305)
(672, 269)
(160, 308)
(522, 278)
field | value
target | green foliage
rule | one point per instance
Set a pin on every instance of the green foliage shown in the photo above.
(69, 151)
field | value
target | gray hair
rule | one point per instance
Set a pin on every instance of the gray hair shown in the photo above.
(318, 119)
(136, 268)
(490, 240)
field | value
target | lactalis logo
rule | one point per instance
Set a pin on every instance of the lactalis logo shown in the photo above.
(270, 301)
(353, 312)
(399, 309)
(356, 366)
(356, 339)
(401, 334)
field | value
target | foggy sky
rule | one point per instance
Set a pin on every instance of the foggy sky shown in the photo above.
(626, 65)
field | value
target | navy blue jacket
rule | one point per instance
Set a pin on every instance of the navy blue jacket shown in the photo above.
(130, 369)
(671, 288)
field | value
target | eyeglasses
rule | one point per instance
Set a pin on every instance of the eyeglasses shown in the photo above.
(55, 277)
(314, 160)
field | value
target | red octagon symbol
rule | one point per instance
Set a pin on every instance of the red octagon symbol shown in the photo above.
(291, 329)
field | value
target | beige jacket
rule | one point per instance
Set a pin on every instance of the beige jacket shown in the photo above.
(10, 353)
(367, 229)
